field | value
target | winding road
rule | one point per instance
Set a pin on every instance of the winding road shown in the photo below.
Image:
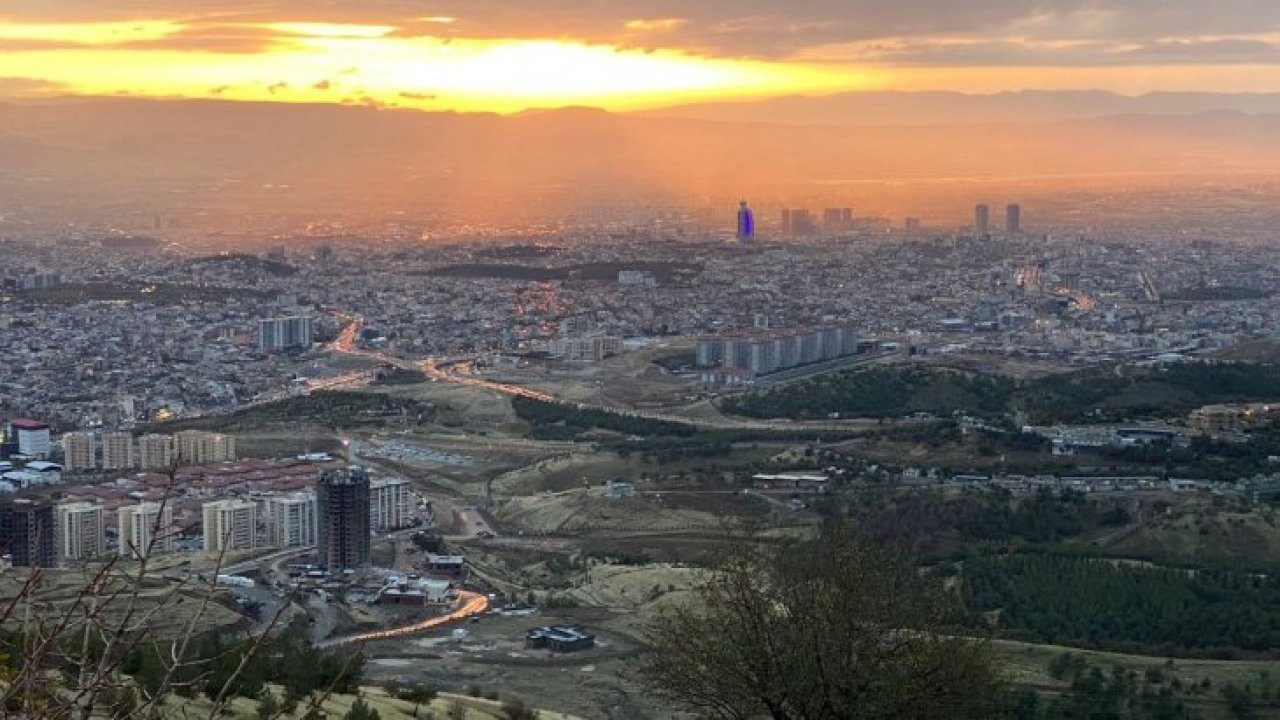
(469, 604)
(440, 372)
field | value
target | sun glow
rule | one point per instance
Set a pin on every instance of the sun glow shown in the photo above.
(371, 64)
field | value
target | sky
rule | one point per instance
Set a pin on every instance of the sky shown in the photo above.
(509, 55)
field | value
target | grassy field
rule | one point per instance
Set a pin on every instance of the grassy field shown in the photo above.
(1029, 666)
(1200, 535)
(58, 593)
(387, 707)
(326, 408)
(590, 510)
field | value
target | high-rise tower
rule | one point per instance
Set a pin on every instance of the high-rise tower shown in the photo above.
(982, 220)
(342, 518)
(1013, 219)
(746, 223)
(28, 533)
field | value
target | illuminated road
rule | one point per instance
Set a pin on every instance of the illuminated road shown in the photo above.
(346, 341)
(438, 370)
(469, 604)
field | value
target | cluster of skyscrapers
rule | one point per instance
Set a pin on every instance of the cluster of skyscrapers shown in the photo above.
(799, 222)
(1012, 219)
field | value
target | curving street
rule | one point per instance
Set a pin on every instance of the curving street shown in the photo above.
(469, 604)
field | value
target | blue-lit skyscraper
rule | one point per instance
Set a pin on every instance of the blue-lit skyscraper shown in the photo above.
(746, 223)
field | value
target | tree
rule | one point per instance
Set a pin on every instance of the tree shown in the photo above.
(268, 707)
(360, 710)
(514, 709)
(832, 627)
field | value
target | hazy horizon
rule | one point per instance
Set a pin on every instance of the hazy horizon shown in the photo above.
(627, 54)
(549, 108)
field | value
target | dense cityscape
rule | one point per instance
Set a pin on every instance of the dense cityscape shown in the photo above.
(631, 361)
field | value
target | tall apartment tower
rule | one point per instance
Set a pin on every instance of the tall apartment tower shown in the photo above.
(140, 525)
(1013, 219)
(28, 533)
(982, 220)
(81, 531)
(285, 333)
(155, 452)
(117, 451)
(388, 505)
(230, 524)
(342, 518)
(291, 520)
(78, 451)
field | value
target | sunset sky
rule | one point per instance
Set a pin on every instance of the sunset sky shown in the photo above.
(504, 56)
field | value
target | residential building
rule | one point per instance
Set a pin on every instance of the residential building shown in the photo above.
(155, 452)
(196, 447)
(81, 531)
(285, 333)
(28, 531)
(230, 524)
(291, 520)
(342, 518)
(388, 505)
(145, 529)
(592, 348)
(78, 452)
(117, 451)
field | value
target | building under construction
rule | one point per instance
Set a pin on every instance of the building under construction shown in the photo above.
(342, 518)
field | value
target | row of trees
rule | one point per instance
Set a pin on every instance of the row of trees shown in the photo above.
(1093, 395)
(1124, 607)
(880, 392)
(938, 523)
(539, 414)
(839, 626)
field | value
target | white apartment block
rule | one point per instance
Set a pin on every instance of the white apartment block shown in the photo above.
(33, 437)
(139, 525)
(388, 505)
(117, 451)
(291, 520)
(78, 451)
(196, 447)
(230, 525)
(155, 452)
(81, 531)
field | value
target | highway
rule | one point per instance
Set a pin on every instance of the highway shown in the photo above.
(469, 604)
